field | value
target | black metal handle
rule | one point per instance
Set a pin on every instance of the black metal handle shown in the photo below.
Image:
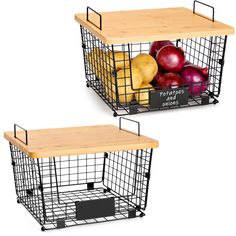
(26, 134)
(131, 121)
(100, 18)
(202, 3)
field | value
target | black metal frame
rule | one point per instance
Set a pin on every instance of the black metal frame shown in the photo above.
(103, 76)
(100, 18)
(26, 134)
(55, 190)
(122, 118)
(204, 4)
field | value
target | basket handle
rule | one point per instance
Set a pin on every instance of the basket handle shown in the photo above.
(131, 121)
(26, 134)
(213, 9)
(100, 18)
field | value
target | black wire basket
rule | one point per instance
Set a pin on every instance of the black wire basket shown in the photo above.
(68, 190)
(109, 72)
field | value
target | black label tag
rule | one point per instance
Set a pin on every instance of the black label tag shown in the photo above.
(95, 208)
(169, 98)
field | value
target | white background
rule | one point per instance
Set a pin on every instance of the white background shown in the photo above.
(42, 85)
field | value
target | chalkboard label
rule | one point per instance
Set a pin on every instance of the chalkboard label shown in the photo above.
(169, 98)
(96, 208)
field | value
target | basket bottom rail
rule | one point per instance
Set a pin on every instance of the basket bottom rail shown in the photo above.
(61, 215)
(120, 109)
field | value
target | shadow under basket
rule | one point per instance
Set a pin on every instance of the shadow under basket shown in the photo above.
(63, 184)
(111, 40)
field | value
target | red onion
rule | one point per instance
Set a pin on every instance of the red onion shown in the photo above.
(195, 79)
(187, 63)
(169, 80)
(204, 70)
(157, 45)
(171, 58)
(160, 73)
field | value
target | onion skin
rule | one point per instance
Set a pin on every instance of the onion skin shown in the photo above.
(169, 81)
(195, 79)
(157, 45)
(160, 73)
(204, 70)
(171, 58)
(187, 63)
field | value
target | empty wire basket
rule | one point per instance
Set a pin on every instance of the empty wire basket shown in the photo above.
(112, 40)
(81, 175)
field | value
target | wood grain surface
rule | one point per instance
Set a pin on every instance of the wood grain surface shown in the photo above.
(79, 140)
(151, 25)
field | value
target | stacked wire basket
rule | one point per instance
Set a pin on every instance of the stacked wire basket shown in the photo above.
(83, 175)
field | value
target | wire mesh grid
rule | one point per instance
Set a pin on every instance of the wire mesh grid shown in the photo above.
(50, 187)
(66, 209)
(207, 52)
(127, 173)
(27, 183)
(109, 72)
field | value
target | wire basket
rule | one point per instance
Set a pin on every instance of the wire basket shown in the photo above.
(63, 191)
(109, 73)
